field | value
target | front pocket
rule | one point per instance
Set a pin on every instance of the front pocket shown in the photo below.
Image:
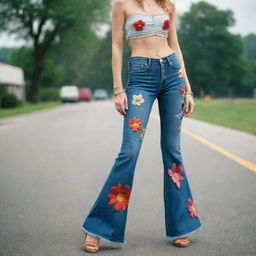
(138, 66)
(175, 63)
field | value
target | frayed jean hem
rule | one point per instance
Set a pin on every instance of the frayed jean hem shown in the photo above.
(174, 237)
(102, 237)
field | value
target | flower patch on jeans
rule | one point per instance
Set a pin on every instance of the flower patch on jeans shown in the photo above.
(120, 196)
(135, 124)
(180, 73)
(176, 174)
(181, 90)
(142, 133)
(192, 208)
(137, 99)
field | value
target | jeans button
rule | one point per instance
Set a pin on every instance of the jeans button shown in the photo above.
(161, 60)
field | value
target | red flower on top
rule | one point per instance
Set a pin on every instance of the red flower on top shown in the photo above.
(139, 24)
(191, 208)
(166, 24)
(120, 196)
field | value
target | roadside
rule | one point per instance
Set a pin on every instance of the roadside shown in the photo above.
(27, 108)
(238, 114)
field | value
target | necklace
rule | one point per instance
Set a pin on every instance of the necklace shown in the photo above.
(149, 4)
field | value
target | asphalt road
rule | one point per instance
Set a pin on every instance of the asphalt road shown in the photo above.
(54, 162)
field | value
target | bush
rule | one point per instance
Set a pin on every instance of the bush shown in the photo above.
(9, 100)
(49, 94)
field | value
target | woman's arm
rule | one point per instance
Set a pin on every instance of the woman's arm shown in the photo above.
(117, 43)
(174, 44)
(118, 17)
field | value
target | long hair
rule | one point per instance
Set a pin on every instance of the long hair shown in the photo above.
(167, 5)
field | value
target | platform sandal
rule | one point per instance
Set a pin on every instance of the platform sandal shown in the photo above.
(181, 242)
(91, 246)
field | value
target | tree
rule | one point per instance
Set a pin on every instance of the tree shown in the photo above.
(44, 22)
(101, 77)
(213, 56)
(250, 47)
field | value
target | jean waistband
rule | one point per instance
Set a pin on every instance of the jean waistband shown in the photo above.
(150, 61)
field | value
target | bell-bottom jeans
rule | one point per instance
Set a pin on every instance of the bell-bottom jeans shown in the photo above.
(148, 79)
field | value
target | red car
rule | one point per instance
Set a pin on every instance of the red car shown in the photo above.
(85, 94)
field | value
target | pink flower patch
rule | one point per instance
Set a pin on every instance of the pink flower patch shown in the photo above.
(181, 90)
(175, 174)
(191, 208)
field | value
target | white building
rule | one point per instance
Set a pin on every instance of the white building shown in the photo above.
(13, 78)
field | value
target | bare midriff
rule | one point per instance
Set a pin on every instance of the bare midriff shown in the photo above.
(150, 47)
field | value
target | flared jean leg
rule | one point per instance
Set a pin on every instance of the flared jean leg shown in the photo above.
(181, 216)
(149, 78)
(108, 215)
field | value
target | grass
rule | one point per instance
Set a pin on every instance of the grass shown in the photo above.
(27, 108)
(239, 114)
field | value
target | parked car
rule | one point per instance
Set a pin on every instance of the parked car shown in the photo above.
(100, 94)
(69, 93)
(85, 94)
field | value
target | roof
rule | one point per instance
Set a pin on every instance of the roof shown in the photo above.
(11, 75)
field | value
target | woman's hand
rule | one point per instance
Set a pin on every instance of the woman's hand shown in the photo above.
(121, 103)
(189, 105)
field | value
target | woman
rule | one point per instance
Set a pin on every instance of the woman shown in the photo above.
(156, 70)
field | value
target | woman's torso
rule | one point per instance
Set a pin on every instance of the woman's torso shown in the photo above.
(149, 46)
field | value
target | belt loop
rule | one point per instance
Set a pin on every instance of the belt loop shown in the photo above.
(149, 62)
(169, 61)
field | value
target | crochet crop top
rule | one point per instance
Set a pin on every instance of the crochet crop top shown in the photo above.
(142, 25)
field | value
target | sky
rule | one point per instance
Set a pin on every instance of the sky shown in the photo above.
(244, 13)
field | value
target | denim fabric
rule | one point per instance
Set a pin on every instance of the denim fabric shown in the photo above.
(149, 78)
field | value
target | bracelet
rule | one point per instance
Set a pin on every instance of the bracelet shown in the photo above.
(119, 92)
(189, 93)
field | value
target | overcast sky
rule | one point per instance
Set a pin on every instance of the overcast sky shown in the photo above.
(244, 12)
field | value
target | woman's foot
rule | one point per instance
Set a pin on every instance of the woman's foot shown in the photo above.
(91, 243)
(181, 242)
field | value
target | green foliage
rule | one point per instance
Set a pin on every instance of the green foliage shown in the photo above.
(47, 23)
(236, 114)
(41, 20)
(98, 72)
(49, 94)
(23, 58)
(213, 56)
(250, 47)
(215, 59)
(9, 100)
(4, 54)
(28, 108)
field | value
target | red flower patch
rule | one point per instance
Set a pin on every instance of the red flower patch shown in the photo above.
(120, 196)
(135, 124)
(191, 208)
(176, 174)
(166, 24)
(139, 24)
(181, 90)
